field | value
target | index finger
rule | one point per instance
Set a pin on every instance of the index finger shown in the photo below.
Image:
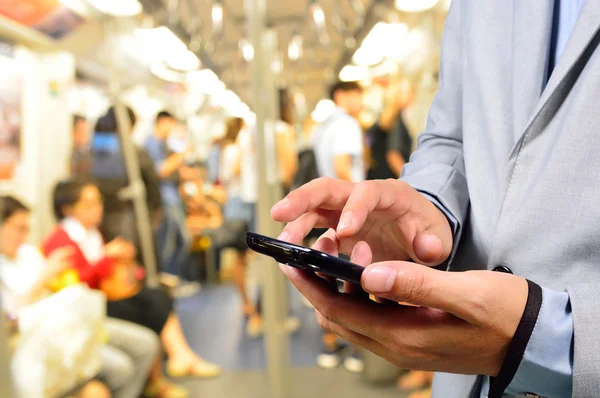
(323, 193)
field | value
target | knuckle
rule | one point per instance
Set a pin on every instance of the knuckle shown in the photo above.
(322, 321)
(413, 288)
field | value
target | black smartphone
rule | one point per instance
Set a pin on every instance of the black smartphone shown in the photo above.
(304, 258)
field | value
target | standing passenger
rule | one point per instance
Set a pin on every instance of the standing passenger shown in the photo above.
(174, 241)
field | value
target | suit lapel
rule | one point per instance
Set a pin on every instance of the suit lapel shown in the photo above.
(585, 29)
(532, 27)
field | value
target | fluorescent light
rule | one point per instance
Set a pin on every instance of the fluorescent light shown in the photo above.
(247, 50)
(353, 73)
(225, 99)
(295, 48)
(183, 61)
(376, 44)
(217, 16)
(206, 81)
(414, 5)
(161, 40)
(238, 109)
(160, 70)
(161, 44)
(118, 8)
(277, 65)
(318, 15)
(378, 39)
(367, 56)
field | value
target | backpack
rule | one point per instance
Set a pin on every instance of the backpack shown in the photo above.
(307, 168)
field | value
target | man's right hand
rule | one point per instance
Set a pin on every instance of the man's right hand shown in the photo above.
(395, 220)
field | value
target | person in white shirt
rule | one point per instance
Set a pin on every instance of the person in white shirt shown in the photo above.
(24, 277)
(338, 147)
(338, 141)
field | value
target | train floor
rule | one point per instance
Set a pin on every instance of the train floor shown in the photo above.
(215, 328)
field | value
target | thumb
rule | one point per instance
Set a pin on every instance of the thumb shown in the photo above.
(433, 244)
(459, 293)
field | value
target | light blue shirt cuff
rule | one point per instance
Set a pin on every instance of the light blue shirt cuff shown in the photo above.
(547, 366)
(454, 224)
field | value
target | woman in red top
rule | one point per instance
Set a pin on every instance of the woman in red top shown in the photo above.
(108, 267)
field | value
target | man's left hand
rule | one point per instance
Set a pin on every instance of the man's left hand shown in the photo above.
(456, 322)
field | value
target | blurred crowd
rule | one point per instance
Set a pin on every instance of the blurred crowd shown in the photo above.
(95, 253)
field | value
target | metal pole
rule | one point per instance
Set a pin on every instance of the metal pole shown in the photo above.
(276, 339)
(136, 191)
(273, 115)
(5, 379)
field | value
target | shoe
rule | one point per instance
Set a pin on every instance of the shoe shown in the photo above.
(200, 369)
(291, 324)
(354, 363)
(169, 281)
(329, 359)
(161, 388)
(256, 328)
(186, 289)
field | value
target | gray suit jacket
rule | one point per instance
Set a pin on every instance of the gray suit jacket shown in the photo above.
(519, 167)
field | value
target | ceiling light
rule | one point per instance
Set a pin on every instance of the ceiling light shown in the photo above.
(353, 73)
(367, 56)
(295, 48)
(318, 15)
(206, 81)
(118, 8)
(217, 16)
(247, 50)
(414, 5)
(159, 69)
(161, 40)
(277, 65)
(183, 61)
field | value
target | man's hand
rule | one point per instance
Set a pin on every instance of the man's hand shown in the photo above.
(461, 323)
(395, 221)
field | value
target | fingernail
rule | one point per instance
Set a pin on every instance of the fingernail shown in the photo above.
(285, 236)
(380, 279)
(345, 221)
(281, 203)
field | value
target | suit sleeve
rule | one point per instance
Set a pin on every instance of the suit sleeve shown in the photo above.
(437, 167)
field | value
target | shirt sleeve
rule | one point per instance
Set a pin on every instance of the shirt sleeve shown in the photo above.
(454, 224)
(152, 148)
(348, 138)
(547, 366)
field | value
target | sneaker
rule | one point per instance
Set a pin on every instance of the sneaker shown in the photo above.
(354, 363)
(291, 324)
(186, 289)
(255, 326)
(169, 281)
(329, 359)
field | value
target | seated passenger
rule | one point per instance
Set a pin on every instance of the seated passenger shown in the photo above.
(26, 277)
(109, 267)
